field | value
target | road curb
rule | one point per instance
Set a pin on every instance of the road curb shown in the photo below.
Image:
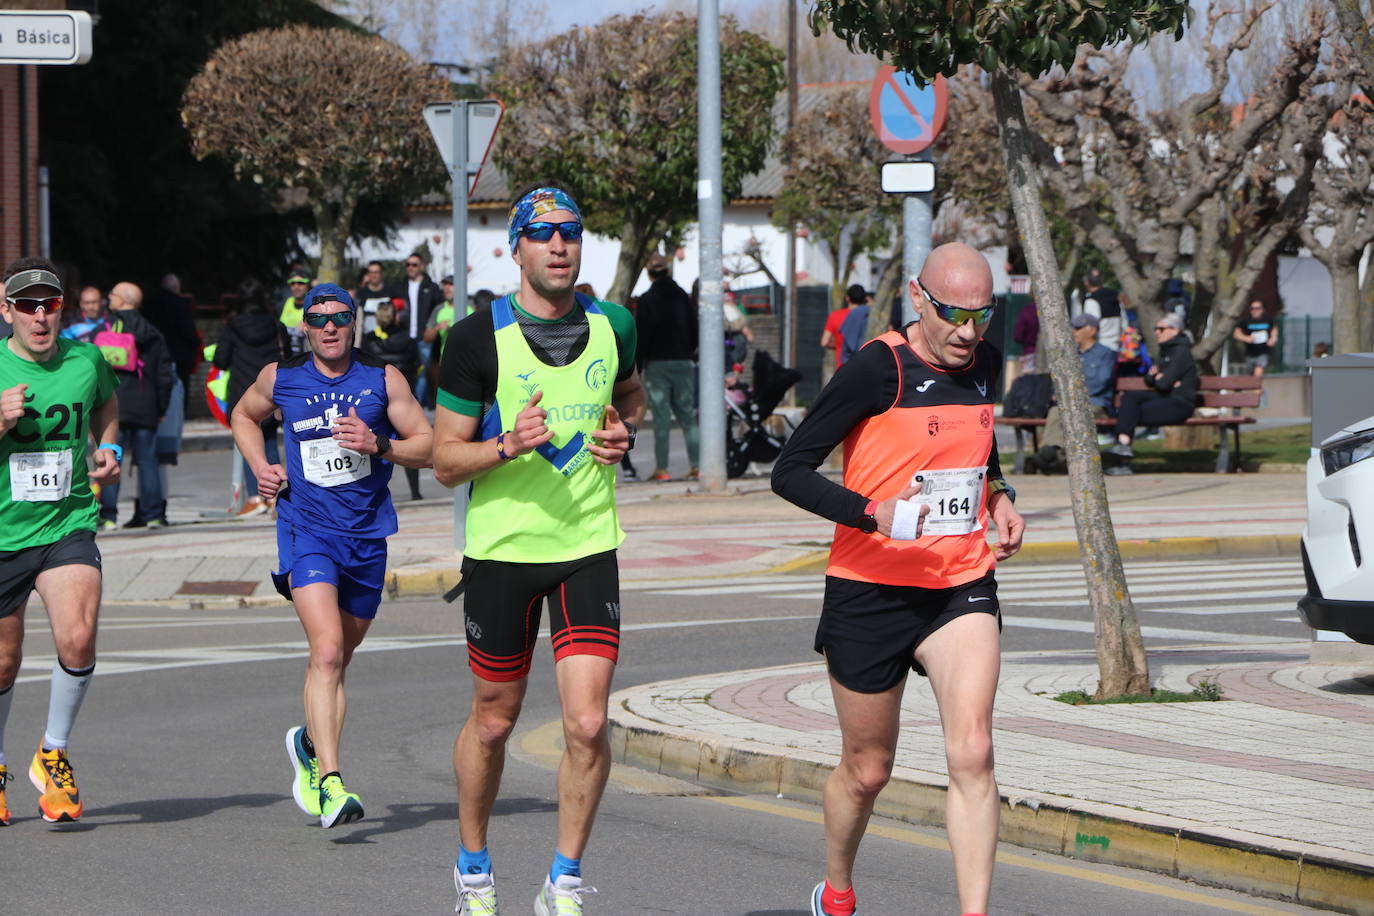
(423, 581)
(1089, 831)
(1256, 545)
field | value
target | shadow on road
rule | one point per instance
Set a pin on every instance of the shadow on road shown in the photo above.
(168, 810)
(407, 817)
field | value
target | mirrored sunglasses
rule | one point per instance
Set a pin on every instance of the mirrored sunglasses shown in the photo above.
(571, 231)
(320, 319)
(957, 314)
(52, 304)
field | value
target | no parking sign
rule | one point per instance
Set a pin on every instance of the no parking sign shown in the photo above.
(906, 116)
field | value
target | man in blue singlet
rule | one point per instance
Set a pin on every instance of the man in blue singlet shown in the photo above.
(347, 418)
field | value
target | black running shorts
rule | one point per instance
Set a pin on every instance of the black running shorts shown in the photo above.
(19, 569)
(868, 632)
(502, 604)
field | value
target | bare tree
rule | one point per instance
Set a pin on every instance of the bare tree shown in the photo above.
(340, 121)
(830, 185)
(1136, 181)
(1342, 207)
(611, 110)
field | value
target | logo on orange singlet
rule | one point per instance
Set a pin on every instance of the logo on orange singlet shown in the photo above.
(932, 425)
(985, 417)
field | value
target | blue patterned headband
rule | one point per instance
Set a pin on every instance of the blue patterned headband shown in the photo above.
(534, 205)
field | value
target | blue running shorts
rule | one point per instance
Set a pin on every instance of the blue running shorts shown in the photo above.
(355, 566)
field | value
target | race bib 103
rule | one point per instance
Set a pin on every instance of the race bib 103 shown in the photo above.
(327, 464)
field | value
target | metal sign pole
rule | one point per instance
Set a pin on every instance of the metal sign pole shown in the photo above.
(916, 220)
(710, 320)
(458, 173)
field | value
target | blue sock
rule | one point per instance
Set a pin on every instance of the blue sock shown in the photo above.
(562, 865)
(474, 863)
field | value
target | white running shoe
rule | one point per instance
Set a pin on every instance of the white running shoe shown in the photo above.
(563, 898)
(475, 899)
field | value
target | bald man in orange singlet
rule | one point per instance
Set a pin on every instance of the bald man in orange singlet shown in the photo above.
(910, 582)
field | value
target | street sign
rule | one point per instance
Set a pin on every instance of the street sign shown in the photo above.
(482, 118)
(908, 177)
(54, 37)
(906, 117)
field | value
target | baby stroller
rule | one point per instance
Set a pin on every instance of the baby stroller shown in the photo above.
(746, 437)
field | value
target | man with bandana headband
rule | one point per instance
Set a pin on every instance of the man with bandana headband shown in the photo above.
(537, 403)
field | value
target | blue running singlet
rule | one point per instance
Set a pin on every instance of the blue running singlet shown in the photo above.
(330, 488)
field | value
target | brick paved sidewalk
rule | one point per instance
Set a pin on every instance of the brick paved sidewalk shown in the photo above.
(1269, 791)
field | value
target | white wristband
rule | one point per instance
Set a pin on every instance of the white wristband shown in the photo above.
(906, 520)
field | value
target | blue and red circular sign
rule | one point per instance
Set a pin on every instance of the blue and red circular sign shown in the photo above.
(906, 116)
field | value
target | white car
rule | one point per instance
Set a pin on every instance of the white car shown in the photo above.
(1340, 534)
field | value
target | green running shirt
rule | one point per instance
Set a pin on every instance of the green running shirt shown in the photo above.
(49, 442)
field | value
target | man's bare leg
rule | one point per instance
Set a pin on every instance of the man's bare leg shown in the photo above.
(584, 688)
(479, 755)
(868, 730)
(963, 659)
(332, 635)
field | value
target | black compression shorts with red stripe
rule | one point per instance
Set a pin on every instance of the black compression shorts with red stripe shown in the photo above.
(502, 606)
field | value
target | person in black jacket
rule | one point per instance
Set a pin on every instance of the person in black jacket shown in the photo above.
(251, 339)
(422, 296)
(390, 342)
(667, 323)
(144, 394)
(1172, 395)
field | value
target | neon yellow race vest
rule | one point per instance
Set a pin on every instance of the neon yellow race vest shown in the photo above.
(555, 503)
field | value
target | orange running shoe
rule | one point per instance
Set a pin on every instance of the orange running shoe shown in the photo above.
(51, 774)
(4, 808)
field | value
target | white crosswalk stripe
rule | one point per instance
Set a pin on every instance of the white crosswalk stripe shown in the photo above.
(1204, 588)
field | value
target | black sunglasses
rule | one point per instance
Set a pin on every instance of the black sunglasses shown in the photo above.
(571, 231)
(51, 304)
(320, 319)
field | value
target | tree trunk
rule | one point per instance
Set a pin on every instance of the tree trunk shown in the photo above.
(1122, 665)
(891, 283)
(634, 250)
(1346, 330)
(333, 234)
(1367, 304)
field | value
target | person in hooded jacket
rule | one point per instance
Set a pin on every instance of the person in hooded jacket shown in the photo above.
(1171, 397)
(390, 341)
(251, 339)
(144, 392)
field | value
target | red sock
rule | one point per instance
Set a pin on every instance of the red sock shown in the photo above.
(837, 903)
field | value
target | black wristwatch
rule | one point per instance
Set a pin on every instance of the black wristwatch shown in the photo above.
(383, 444)
(634, 431)
(867, 522)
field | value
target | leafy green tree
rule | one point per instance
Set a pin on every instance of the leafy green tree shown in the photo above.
(610, 110)
(331, 112)
(927, 37)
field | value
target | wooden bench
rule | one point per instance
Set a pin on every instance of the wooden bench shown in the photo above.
(1226, 393)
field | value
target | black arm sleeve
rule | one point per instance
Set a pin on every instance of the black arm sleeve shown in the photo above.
(863, 387)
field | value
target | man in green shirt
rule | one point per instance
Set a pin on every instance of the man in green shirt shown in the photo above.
(536, 405)
(56, 395)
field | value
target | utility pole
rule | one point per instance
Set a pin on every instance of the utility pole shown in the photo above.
(789, 309)
(711, 381)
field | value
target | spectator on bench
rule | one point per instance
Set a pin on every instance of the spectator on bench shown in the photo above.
(1172, 394)
(1099, 371)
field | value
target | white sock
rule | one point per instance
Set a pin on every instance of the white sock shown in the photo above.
(483, 879)
(64, 702)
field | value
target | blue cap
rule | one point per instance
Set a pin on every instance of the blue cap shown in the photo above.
(327, 292)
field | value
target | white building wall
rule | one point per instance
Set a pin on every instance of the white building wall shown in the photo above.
(490, 266)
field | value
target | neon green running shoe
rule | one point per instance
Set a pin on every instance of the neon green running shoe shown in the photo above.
(306, 788)
(563, 898)
(475, 899)
(337, 804)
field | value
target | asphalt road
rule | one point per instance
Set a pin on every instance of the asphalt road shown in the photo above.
(180, 756)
